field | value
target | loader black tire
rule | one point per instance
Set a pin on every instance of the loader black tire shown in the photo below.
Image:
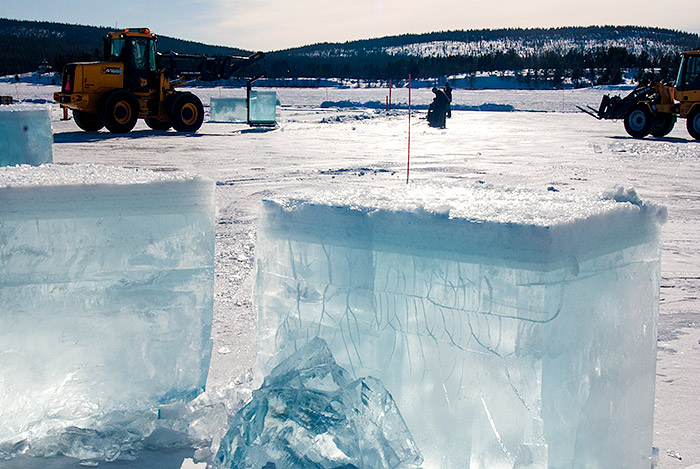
(156, 124)
(663, 124)
(639, 120)
(186, 113)
(120, 111)
(693, 123)
(87, 121)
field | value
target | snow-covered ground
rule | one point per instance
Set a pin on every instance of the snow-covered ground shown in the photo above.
(542, 144)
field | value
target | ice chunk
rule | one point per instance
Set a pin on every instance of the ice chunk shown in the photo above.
(514, 328)
(106, 293)
(263, 107)
(228, 110)
(310, 413)
(25, 135)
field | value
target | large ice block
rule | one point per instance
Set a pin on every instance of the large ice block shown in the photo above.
(263, 107)
(514, 328)
(228, 110)
(25, 135)
(106, 293)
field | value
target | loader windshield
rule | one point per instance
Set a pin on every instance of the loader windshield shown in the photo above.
(689, 73)
(116, 46)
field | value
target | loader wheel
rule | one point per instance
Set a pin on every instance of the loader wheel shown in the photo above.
(663, 125)
(87, 121)
(693, 123)
(156, 124)
(120, 111)
(187, 113)
(639, 120)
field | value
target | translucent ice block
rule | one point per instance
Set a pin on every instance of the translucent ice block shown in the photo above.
(514, 328)
(263, 107)
(228, 110)
(106, 293)
(25, 135)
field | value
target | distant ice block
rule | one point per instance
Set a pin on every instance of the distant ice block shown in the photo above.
(106, 294)
(228, 110)
(263, 107)
(310, 413)
(514, 328)
(25, 135)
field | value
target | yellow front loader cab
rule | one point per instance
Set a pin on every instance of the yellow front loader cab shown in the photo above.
(136, 82)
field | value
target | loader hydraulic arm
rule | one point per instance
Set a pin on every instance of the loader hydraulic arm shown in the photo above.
(206, 68)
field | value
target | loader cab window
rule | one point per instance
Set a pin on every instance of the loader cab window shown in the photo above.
(115, 50)
(689, 73)
(144, 54)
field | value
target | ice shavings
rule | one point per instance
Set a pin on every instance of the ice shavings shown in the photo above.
(310, 413)
(528, 359)
(120, 435)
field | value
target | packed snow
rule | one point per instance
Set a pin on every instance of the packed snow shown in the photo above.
(542, 144)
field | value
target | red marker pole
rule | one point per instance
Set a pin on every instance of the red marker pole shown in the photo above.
(389, 93)
(408, 162)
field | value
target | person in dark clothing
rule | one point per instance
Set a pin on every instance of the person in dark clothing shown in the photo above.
(437, 111)
(448, 93)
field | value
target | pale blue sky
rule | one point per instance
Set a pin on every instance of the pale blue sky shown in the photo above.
(278, 24)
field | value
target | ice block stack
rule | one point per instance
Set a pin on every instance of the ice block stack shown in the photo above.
(514, 328)
(106, 292)
(25, 135)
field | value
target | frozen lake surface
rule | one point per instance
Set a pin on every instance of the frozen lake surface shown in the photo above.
(542, 144)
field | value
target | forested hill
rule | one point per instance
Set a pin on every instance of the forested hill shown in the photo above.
(572, 56)
(24, 45)
(595, 52)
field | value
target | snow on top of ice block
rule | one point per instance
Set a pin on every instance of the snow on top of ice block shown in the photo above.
(88, 190)
(9, 111)
(493, 204)
(82, 174)
(521, 225)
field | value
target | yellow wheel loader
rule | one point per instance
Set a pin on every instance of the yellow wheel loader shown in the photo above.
(135, 81)
(653, 106)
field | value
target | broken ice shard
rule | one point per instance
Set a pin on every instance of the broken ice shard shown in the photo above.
(228, 110)
(514, 328)
(25, 135)
(310, 413)
(106, 293)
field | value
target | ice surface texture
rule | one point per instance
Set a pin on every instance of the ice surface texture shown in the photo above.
(310, 413)
(106, 294)
(25, 135)
(514, 328)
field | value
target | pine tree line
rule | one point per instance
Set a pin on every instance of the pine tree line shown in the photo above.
(26, 44)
